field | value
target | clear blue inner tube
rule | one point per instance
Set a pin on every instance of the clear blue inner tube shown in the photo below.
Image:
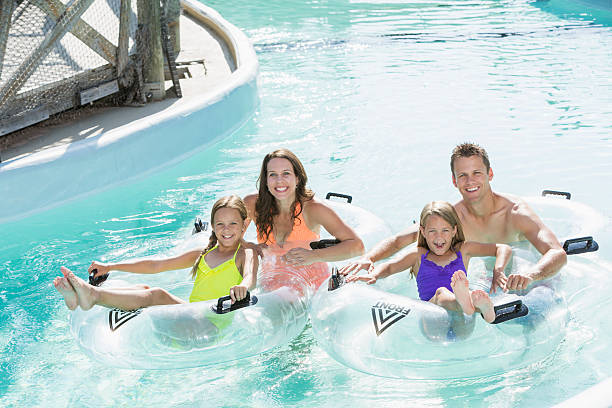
(175, 336)
(384, 330)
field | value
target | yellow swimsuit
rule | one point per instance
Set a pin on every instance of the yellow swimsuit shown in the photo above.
(212, 283)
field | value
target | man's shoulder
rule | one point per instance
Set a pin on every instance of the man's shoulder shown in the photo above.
(520, 214)
(509, 203)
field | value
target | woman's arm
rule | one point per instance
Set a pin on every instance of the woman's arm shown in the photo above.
(315, 214)
(147, 266)
(249, 202)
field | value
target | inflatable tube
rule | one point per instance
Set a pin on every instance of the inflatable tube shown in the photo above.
(394, 335)
(391, 335)
(190, 335)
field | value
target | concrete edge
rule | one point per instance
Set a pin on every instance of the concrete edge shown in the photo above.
(247, 69)
(44, 179)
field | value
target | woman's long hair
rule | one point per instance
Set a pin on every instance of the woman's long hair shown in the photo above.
(231, 201)
(266, 207)
(445, 211)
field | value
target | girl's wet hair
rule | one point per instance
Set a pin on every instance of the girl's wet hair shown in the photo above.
(231, 201)
(265, 206)
(447, 212)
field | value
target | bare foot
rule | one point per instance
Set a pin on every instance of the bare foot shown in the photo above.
(63, 287)
(86, 294)
(483, 303)
(459, 283)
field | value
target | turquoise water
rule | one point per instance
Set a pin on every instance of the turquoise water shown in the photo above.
(372, 96)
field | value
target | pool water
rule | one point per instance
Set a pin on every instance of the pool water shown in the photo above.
(372, 96)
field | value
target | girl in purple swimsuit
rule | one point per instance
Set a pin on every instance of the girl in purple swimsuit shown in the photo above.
(439, 263)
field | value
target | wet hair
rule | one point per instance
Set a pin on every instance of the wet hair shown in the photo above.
(231, 201)
(265, 206)
(445, 211)
(469, 150)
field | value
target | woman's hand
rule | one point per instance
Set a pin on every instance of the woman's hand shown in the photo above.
(101, 268)
(238, 292)
(300, 257)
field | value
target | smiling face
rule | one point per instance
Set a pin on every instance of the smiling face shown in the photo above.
(228, 226)
(281, 179)
(438, 234)
(471, 178)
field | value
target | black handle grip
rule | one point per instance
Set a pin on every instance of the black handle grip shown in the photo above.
(336, 280)
(324, 243)
(580, 245)
(96, 280)
(199, 226)
(559, 193)
(509, 311)
(348, 198)
(247, 301)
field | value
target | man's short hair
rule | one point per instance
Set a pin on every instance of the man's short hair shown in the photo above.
(469, 150)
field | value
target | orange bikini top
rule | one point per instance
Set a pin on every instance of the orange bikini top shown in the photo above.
(300, 231)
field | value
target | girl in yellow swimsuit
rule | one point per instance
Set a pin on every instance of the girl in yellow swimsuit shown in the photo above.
(223, 267)
(288, 217)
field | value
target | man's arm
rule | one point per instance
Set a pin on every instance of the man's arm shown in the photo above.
(382, 250)
(544, 240)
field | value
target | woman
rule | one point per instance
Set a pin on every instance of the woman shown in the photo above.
(288, 216)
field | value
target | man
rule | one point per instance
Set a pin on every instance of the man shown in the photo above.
(487, 217)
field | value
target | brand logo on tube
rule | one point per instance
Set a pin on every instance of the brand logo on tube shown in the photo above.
(385, 314)
(117, 317)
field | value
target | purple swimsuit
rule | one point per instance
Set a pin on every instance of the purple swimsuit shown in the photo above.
(432, 276)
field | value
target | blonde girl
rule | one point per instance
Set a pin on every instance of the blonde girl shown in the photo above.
(440, 260)
(223, 267)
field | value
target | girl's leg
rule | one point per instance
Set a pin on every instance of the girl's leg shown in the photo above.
(459, 283)
(64, 287)
(482, 302)
(135, 287)
(446, 299)
(125, 299)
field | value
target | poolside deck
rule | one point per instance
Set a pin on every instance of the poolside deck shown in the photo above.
(95, 149)
(205, 60)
